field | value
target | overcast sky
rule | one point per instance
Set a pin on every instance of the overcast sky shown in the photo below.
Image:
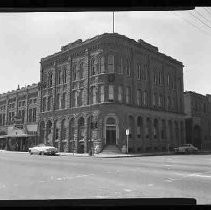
(27, 37)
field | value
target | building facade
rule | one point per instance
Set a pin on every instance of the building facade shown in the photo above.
(198, 119)
(19, 118)
(97, 88)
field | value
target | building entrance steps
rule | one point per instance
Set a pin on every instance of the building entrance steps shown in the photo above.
(111, 149)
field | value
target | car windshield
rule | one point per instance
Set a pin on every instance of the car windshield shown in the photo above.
(186, 145)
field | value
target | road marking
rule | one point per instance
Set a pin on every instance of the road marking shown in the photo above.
(2, 186)
(150, 185)
(170, 180)
(167, 165)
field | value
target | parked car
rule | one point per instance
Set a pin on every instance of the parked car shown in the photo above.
(186, 148)
(43, 149)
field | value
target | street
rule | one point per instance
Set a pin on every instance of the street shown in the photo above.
(69, 177)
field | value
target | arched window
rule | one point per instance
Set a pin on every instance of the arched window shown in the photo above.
(110, 121)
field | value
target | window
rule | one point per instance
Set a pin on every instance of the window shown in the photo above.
(93, 66)
(102, 65)
(63, 103)
(30, 115)
(58, 76)
(168, 80)
(30, 101)
(139, 97)
(102, 94)
(93, 95)
(34, 115)
(44, 104)
(160, 98)
(110, 64)
(83, 97)
(74, 72)
(49, 103)
(145, 98)
(128, 95)
(128, 67)
(169, 102)
(50, 79)
(19, 104)
(82, 70)
(110, 92)
(64, 75)
(75, 98)
(120, 93)
(57, 101)
(34, 100)
(23, 104)
(154, 99)
(139, 71)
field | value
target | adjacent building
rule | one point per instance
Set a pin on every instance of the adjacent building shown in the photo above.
(19, 118)
(92, 91)
(198, 119)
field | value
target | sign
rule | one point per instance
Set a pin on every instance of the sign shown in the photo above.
(127, 132)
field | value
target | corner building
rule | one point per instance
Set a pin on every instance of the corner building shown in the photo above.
(97, 88)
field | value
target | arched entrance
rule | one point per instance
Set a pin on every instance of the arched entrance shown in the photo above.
(111, 131)
(197, 136)
(81, 135)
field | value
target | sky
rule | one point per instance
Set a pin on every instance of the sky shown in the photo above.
(27, 37)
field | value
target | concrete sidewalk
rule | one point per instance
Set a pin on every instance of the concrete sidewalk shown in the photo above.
(110, 155)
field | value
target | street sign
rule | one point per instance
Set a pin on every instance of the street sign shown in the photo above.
(127, 132)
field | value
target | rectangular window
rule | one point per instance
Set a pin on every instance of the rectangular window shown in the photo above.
(102, 94)
(110, 64)
(63, 102)
(139, 97)
(110, 92)
(30, 115)
(168, 80)
(94, 95)
(74, 72)
(139, 71)
(128, 68)
(49, 103)
(128, 95)
(44, 104)
(34, 116)
(102, 65)
(145, 98)
(120, 93)
(23, 115)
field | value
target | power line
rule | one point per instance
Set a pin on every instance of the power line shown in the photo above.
(201, 15)
(195, 26)
(207, 11)
(200, 20)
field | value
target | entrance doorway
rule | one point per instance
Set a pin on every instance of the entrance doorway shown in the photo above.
(111, 135)
(111, 131)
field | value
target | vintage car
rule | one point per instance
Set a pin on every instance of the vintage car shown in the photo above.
(43, 149)
(186, 148)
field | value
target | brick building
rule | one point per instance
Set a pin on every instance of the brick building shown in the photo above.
(198, 119)
(19, 118)
(97, 88)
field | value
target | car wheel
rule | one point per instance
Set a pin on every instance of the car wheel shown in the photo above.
(186, 151)
(42, 153)
(30, 153)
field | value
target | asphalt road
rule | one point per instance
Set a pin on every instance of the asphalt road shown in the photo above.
(67, 177)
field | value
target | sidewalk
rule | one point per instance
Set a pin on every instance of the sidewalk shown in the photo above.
(101, 155)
